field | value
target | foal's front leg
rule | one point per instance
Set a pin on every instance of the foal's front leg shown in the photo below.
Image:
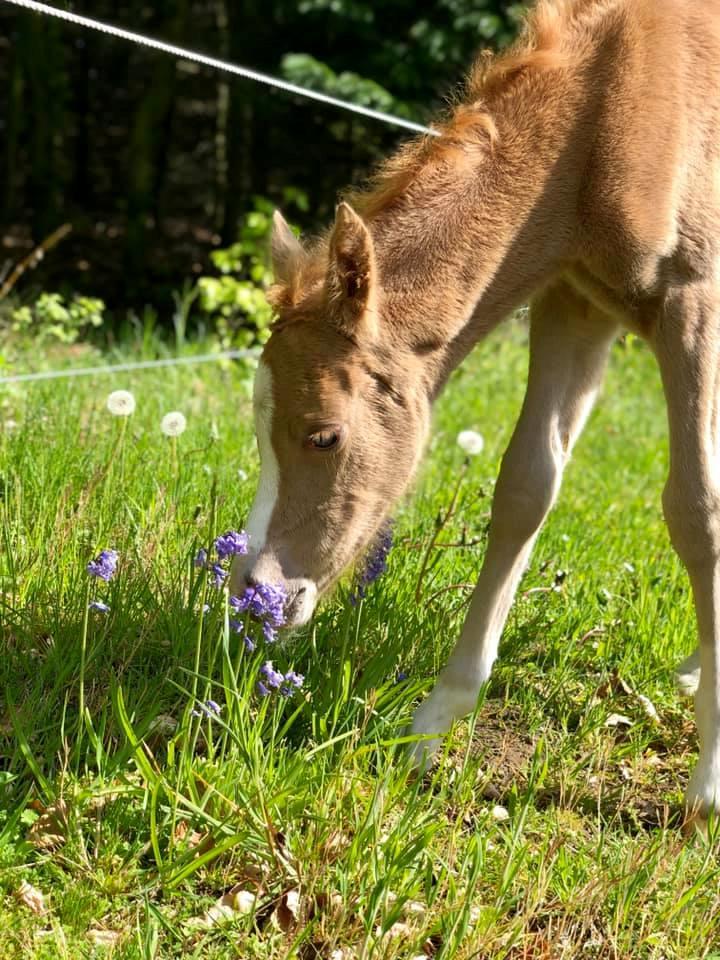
(569, 344)
(687, 344)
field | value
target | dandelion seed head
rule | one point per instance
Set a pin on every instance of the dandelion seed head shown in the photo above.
(471, 442)
(173, 424)
(121, 403)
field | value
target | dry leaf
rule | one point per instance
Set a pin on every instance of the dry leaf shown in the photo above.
(618, 720)
(396, 931)
(104, 938)
(649, 707)
(236, 902)
(32, 898)
(288, 910)
(50, 830)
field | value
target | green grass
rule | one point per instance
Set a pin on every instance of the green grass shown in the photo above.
(135, 817)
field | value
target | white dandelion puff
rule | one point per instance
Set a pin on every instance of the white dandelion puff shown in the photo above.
(471, 442)
(173, 424)
(121, 403)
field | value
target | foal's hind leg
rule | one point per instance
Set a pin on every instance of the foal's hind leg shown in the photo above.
(687, 344)
(569, 343)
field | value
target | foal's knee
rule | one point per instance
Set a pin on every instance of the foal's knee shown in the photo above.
(692, 514)
(526, 491)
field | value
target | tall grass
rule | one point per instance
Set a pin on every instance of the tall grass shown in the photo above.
(549, 827)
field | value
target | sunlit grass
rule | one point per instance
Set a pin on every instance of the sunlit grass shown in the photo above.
(547, 833)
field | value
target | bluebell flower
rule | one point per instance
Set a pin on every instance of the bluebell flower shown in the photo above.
(262, 689)
(294, 679)
(104, 565)
(207, 709)
(231, 543)
(401, 676)
(219, 573)
(273, 677)
(264, 601)
(375, 563)
(98, 605)
(200, 560)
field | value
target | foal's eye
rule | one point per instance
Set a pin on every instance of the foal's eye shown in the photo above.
(324, 439)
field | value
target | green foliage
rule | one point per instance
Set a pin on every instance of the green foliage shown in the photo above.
(53, 317)
(233, 303)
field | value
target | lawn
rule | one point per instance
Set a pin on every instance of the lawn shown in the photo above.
(134, 823)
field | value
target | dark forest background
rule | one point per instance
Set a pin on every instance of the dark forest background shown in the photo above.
(155, 162)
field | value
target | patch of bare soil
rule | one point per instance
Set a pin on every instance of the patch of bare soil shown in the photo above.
(503, 748)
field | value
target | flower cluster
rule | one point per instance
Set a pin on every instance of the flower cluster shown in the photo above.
(231, 543)
(265, 602)
(375, 563)
(228, 544)
(285, 683)
(104, 565)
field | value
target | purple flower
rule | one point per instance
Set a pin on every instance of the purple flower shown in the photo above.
(294, 679)
(262, 689)
(273, 677)
(264, 601)
(200, 560)
(249, 643)
(401, 676)
(231, 543)
(98, 605)
(104, 565)
(207, 709)
(375, 563)
(218, 573)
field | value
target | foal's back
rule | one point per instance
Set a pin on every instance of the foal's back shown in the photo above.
(650, 206)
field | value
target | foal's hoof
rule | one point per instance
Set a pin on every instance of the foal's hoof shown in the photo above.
(702, 798)
(687, 675)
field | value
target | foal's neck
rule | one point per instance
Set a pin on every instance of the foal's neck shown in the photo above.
(479, 231)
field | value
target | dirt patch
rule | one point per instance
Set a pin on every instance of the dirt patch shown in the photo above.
(503, 748)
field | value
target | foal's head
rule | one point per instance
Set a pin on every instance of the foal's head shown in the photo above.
(341, 415)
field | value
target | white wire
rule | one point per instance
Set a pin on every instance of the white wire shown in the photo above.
(91, 24)
(130, 365)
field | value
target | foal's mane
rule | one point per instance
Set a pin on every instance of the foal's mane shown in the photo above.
(542, 45)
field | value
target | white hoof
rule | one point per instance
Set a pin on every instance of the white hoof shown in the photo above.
(435, 717)
(687, 675)
(703, 793)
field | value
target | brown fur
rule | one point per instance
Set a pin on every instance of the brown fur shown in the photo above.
(581, 171)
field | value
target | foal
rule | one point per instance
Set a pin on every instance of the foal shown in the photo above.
(581, 172)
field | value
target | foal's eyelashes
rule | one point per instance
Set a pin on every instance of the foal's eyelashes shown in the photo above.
(326, 439)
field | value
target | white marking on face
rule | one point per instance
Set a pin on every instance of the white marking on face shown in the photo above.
(267, 491)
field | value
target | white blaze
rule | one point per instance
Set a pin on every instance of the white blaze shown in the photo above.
(267, 491)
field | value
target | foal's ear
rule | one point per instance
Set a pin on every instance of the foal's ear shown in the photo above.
(286, 250)
(352, 276)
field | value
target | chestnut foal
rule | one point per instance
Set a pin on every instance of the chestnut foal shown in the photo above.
(582, 173)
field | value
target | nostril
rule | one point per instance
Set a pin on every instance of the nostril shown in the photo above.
(250, 581)
(301, 591)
